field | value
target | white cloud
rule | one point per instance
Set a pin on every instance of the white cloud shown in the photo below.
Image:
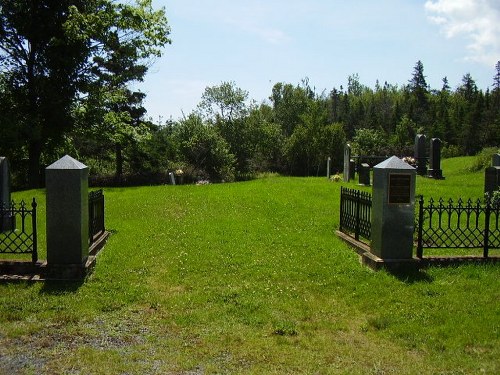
(477, 20)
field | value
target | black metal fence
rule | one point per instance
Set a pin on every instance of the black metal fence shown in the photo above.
(461, 225)
(18, 232)
(355, 212)
(96, 215)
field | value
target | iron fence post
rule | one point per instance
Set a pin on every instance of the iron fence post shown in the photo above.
(341, 208)
(487, 213)
(358, 203)
(420, 246)
(34, 254)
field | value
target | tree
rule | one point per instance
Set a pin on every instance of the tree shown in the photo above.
(419, 90)
(53, 53)
(224, 102)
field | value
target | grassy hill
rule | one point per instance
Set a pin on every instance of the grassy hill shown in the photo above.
(250, 278)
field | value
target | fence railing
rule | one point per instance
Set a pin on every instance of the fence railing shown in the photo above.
(18, 232)
(461, 225)
(355, 212)
(96, 215)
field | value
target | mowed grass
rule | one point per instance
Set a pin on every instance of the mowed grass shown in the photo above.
(250, 278)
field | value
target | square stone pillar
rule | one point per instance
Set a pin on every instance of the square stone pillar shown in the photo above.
(393, 204)
(67, 212)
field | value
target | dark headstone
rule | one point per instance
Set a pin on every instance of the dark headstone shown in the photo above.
(435, 160)
(364, 174)
(495, 160)
(420, 155)
(491, 179)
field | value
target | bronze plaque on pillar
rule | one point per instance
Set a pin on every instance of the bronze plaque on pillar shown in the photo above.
(399, 188)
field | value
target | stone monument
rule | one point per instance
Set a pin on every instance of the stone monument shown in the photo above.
(364, 174)
(420, 155)
(347, 160)
(67, 214)
(393, 204)
(491, 179)
(435, 160)
(495, 160)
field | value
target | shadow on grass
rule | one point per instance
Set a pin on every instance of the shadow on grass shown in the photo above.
(57, 287)
(411, 276)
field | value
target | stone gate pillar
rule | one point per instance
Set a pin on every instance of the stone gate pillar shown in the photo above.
(393, 203)
(67, 215)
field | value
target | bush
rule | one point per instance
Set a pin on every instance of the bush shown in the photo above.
(483, 159)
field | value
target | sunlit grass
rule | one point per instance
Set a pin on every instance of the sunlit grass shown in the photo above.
(250, 278)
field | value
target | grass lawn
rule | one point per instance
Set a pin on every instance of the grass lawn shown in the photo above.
(250, 278)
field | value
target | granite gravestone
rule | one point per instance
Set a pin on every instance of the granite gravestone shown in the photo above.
(67, 212)
(328, 161)
(393, 204)
(347, 160)
(435, 160)
(495, 160)
(491, 179)
(364, 174)
(420, 155)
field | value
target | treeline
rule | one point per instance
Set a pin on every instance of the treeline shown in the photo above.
(227, 138)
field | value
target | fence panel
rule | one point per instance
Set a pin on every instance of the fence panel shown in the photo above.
(18, 232)
(96, 215)
(355, 212)
(461, 225)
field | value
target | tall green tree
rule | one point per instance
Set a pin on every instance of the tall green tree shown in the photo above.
(56, 55)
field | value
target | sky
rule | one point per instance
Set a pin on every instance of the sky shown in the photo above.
(258, 43)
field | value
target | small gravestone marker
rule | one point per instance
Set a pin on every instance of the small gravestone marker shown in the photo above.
(364, 174)
(328, 167)
(393, 209)
(491, 179)
(435, 160)
(347, 160)
(420, 155)
(172, 178)
(495, 160)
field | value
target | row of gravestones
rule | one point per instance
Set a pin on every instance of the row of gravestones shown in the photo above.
(67, 220)
(420, 156)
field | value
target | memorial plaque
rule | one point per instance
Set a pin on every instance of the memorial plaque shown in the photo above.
(399, 188)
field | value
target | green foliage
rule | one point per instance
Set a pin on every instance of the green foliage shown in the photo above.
(369, 142)
(223, 103)
(204, 150)
(483, 159)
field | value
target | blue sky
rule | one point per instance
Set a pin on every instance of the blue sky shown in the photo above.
(257, 43)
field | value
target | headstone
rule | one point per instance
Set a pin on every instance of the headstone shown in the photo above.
(364, 174)
(491, 179)
(172, 178)
(393, 204)
(7, 221)
(495, 160)
(352, 169)
(328, 168)
(420, 155)
(67, 212)
(347, 160)
(435, 160)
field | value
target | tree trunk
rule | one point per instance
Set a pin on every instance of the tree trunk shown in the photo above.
(34, 154)
(119, 162)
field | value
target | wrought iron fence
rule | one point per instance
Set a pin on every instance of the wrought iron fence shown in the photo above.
(96, 215)
(461, 225)
(18, 232)
(355, 212)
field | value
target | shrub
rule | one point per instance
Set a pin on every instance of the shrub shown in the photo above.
(483, 159)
